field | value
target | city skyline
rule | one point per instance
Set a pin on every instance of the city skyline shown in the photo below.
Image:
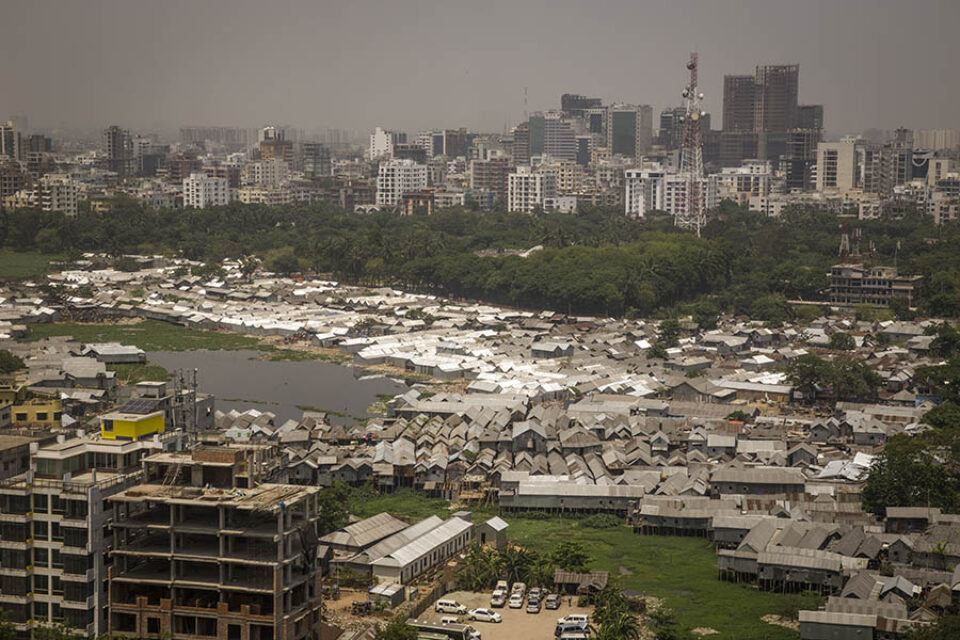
(420, 66)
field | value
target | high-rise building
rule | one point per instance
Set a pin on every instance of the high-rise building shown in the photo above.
(227, 136)
(180, 166)
(492, 175)
(837, 165)
(10, 142)
(670, 134)
(316, 159)
(118, 150)
(431, 142)
(575, 105)
(765, 104)
(527, 190)
(643, 190)
(629, 130)
(397, 177)
(810, 116)
(520, 148)
(802, 159)
(381, 143)
(777, 91)
(278, 149)
(456, 142)
(200, 191)
(739, 102)
(270, 172)
(937, 139)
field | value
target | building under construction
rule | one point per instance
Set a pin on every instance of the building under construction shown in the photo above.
(204, 549)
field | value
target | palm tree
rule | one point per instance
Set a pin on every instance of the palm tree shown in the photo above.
(516, 564)
(624, 626)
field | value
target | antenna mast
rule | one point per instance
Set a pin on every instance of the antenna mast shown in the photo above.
(692, 205)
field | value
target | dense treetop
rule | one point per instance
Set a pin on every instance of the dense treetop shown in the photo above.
(597, 261)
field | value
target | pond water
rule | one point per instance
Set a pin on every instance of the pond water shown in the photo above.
(241, 381)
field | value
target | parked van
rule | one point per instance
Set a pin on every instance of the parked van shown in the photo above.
(449, 606)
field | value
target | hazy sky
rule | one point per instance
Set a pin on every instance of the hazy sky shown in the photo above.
(410, 65)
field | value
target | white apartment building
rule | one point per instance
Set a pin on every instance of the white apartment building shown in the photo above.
(200, 191)
(644, 190)
(739, 184)
(528, 190)
(52, 193)
(837, 165)
(397, 177)
(268, 173)
(569, 174)
(262, 194)
(381, 143)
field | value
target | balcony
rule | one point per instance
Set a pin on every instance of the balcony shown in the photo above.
(87, 603)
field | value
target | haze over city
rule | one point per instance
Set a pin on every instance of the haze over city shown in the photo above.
(414, 65)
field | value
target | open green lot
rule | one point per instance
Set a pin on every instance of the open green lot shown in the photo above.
(681, 571)
(154, 335)
(149, 335)
(29, 264)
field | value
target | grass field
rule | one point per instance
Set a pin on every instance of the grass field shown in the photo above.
(21, 266)
(681, 571)
(133, 373)
(149, 335)
(154, 335)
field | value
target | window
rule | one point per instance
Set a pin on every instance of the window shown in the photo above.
(40, 557)
(42, 416)
(41, 584)
(40, 502)
(108, 425)
(20, 417)
(39, 530)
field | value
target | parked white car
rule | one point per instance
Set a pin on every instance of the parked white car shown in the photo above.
(449, 606)
(516, 601)
(498, 598)
(575, 618)
(484, 615)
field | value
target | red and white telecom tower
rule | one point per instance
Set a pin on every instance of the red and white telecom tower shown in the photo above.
(692, 204)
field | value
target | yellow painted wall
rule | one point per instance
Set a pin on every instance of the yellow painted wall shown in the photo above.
(51, 407)
(134, 429)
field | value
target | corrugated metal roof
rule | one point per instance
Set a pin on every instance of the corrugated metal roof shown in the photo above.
(366, 532)
(426, 543)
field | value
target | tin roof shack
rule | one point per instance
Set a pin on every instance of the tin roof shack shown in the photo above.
(758, 480)
(367, 532)
(789, 571)
(422, 554)
(492, 532)
(214, 560)
(829, 625)
(114, 353)
(559, 497)
(910, 519)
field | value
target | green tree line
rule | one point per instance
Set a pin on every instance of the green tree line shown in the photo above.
(596, 261)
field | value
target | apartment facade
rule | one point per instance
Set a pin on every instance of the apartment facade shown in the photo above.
(200, 191)
(528, 189)
(53, 564)
(397, 177)
(852, 284)
(203, 549)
